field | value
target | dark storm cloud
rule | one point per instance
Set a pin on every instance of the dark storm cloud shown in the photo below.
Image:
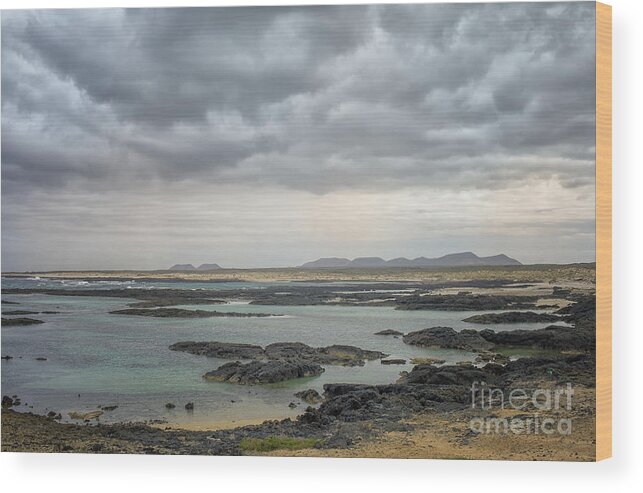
(390, 94)
(131, 134)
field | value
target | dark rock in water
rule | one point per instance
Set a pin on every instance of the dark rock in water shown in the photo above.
(41, 359)
(330, 355)
(178, 300)
(338, 354)
(169, 405)
(261, 372)
(577, 368)
(446, 337)
(389, 332)
(223, 350)
(7, 401)
(182, 313)
(109, 408)
(9, 322)
(19, 312)
(464, 302)
(552, 337)
(393, 361)
(189, 406)
(512, 317)
(281, 351)
(427, 361)
(287, 351)
(7, 357)
(311, 396)
(292, 405)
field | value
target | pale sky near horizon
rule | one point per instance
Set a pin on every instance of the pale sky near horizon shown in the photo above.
(271, 136)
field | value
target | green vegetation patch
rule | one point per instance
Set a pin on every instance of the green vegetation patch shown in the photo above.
(269, 444)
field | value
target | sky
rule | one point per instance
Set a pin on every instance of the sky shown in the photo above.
(271, 136)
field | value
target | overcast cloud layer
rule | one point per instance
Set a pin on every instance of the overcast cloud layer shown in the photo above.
(272, 136)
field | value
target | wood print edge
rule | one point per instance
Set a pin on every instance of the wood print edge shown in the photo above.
(603, 231)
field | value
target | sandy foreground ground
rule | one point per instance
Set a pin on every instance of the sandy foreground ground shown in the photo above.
(431, 435)
(439, 435)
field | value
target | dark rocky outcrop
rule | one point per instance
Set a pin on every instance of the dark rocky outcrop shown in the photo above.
(464, 302)
(182, 313)
(512, 317)
(19, 312)
(311, 396)
(393, 361)
(442, 388)
(262, 372)
(446, 337)
(383, 403)
(389, 332)
(337, 354)
(552, 337)
(427, 361)
(223, 350)
(282, 351)
(446, 375)
(581, 313)
(10, 322)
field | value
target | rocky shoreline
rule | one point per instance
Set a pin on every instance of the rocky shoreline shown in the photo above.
(349, 414)
(347, 418)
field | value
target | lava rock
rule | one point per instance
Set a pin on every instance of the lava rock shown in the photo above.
(311, 396)
(261, 372)
(446, 337)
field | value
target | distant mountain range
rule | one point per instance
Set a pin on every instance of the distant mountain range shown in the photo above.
(465, 259)
(185, 267)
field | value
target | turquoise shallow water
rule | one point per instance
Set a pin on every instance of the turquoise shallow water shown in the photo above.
(96, 358)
